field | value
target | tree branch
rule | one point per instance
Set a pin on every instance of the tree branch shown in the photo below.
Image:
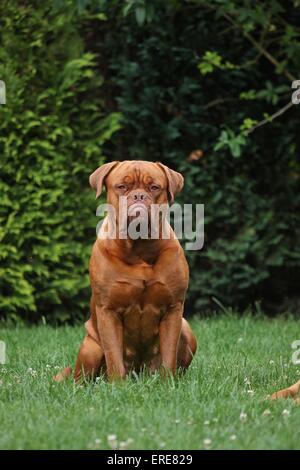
(271, 118)
(260, 48)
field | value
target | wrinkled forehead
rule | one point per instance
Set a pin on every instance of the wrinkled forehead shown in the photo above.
(133, 172)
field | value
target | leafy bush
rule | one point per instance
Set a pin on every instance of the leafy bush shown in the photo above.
(186, 81)
(52, 130)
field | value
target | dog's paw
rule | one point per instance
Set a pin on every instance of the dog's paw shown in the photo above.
(63, 374)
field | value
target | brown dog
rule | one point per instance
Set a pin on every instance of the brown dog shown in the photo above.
(138, 286)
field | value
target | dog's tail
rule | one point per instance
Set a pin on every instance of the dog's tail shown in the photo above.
(63, 374)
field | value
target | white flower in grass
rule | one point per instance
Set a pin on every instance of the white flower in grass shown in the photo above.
(250, 392)
(247, 381)
(207, 443)
(271, 362)
(267, 412)
(32, 372)
(286, 413)
(233, 437)
(243, 416)
(177, 421)
(206, 423)
(95, 444)
(112, 441)
(240, 340)
(124, 444)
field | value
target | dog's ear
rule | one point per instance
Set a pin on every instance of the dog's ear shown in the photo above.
(175, 181)
(98, 177)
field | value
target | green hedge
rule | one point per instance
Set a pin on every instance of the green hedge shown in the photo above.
(171, 77)
(52, 131)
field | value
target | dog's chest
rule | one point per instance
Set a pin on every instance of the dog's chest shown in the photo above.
(139, 296)
(140, 303)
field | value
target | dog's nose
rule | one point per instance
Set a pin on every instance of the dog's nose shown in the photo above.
(139, 196)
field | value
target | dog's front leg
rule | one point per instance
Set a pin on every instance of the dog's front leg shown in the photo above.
(169, 334)
(110, 329)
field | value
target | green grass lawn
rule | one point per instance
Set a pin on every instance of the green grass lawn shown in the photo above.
(218, 404)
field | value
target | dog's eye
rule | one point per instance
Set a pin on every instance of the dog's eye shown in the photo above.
(154, 187)
(121, 186)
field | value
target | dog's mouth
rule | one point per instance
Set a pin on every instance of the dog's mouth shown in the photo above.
(138, 209)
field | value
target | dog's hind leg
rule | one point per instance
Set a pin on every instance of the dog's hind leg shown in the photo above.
(90, 359)
(187, 346)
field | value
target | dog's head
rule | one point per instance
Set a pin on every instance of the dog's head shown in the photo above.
(141, 183)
